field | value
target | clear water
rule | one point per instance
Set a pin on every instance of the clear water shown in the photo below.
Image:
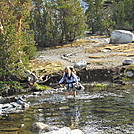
(95, 111)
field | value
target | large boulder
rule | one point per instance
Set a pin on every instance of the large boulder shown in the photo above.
(121, 37)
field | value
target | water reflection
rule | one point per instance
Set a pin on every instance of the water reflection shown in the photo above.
(72, 114)
(95, 111)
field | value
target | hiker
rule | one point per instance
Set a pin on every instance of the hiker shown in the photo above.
(71, 81)
(79, 86)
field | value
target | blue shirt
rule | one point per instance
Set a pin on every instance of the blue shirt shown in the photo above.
(72, 79)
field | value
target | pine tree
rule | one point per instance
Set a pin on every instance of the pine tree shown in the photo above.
(123, 14)
(56, 21)
(71, 17)
(98, 17)
(44, 23)
(15, 38)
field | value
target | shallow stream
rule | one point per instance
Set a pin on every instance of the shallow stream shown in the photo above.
(95, 111)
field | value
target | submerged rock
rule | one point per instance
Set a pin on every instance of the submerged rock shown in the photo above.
(40, 126)
(43, 127)
(54, 129)
(129, 73)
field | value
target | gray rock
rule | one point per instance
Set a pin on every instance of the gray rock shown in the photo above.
(40, 126)
(121, 36)
(129, 73)
(106, 50)
(127, 62)
(15, 105)
(7, 106)
(1, 105)
(80, 64)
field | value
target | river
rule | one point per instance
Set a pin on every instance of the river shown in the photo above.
(105, 110)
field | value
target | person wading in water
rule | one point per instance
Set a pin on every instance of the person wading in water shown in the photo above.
(71, 81)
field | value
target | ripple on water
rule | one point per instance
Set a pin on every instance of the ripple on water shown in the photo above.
(95, 112)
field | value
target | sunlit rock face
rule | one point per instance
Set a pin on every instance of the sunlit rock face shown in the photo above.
(121, 36)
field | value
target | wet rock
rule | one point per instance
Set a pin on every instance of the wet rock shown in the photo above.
(99, 75)
(37, 93)
(121, 36)
(22, 102)
(127, 62)
(65, 130)
(12, 105)
(76, 131)
(1, 105)
(7, 106)
(121, 82)
(15, 105)
(11, 91)
(129, 73)
(43, 127)
(10, 108)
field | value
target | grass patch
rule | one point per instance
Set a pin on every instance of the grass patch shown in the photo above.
(98, 85)
(118, 47)
(121, 47)
(92, 49)
(38, 87)
(45, 67)
(97, 56)
(126, 79)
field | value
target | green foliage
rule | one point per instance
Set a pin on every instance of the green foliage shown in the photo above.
(57, 21)
(15, 39)
(38, 87)
(72, 19)
(99, 18)
(123, 14)
(105, 16)
(6, 85)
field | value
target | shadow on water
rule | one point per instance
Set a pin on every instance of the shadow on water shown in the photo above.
(95, 111)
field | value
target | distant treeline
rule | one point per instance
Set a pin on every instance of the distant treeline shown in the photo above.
(59, 21)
